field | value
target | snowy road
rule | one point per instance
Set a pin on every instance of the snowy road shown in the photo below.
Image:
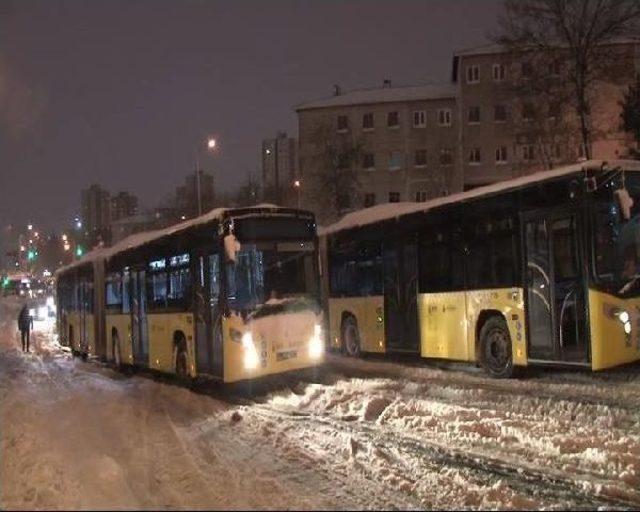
(362, 434)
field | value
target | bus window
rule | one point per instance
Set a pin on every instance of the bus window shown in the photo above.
(214, 281)
(126, 296)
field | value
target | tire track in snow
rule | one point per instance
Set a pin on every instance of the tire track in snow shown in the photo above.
(537, 483)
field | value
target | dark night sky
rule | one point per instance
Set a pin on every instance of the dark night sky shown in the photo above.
(120, 93)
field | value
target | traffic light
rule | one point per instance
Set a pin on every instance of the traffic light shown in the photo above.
(31, 255)
(5, 282)
(79, 251)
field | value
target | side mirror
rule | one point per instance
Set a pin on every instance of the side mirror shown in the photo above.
(625, 202)
(231, 247)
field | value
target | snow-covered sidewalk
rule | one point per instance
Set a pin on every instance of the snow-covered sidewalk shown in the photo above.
(363, 434)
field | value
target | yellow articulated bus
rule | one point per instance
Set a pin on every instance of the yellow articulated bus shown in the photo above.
(542, 269)
(232, 295)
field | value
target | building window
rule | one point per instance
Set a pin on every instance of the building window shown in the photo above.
(473, 74)
(527, 70)
(555, 68)
(446, 156)
(473, 115)
(395, 160)
(501, 154)
(528, 152)
(500, 113)
(420, 158)
(474, 156)
(394, 197)
(556, 151)
(367, 121)
(527, 112)
(393, 120)
(368, 161)
(343, 123)
(444, 117)
(421, 196)
(369, 200)
(419, 119)
(499, 72)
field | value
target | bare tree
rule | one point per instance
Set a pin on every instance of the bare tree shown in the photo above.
(334, 183)
(581, 31)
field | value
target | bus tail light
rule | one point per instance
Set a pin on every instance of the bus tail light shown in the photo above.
(251, 358)
(316, 347)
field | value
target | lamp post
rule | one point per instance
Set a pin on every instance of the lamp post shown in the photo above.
(211, 145)
(297, 184)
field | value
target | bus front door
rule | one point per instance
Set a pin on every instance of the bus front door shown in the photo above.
(139, 337)
(400, 266)
(555, 298)
(208, 315)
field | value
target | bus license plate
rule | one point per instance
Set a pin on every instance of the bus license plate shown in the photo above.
(289, 354)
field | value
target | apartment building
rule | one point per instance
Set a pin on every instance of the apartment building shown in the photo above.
(501, 116)
(406, 139)
(279, 162)
(509, 127)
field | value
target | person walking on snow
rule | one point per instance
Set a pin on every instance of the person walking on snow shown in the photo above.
(25, 325)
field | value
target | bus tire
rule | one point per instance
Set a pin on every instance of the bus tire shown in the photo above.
(182, 371)
(495, 346)
(350, 337)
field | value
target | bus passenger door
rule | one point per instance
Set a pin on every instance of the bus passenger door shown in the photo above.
(556, 319)
(139, 338)
(207, 314)
(400, 266)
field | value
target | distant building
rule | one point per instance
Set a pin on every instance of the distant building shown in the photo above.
(126, 226)
(96, 214)
(123, 205)
(187, 194)
(407, 140)
(279, 166)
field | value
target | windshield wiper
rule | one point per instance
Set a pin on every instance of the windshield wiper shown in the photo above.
(628, 286)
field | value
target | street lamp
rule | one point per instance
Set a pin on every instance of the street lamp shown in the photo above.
(211, 145)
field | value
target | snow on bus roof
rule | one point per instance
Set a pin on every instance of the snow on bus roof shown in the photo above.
(145, 237)
(388, 211)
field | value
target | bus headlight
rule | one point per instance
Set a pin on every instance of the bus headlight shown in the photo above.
(251, 358)
(316, 347)
(624, 317)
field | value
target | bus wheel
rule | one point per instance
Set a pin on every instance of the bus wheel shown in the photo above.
(181, 360)
(496, 352)
(350, 337)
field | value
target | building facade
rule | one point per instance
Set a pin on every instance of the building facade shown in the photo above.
(515, 113)
(403, 138)
(196, 195)
(501, 116)
(95, 204)
(123, 205)
(279, 166)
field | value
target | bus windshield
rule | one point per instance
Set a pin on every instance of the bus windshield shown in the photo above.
(268, 272)
(617, 240)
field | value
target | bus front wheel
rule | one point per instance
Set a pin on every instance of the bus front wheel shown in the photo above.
(495, 345)
(350, 337)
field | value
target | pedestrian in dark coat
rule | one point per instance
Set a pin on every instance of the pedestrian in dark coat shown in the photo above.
(25, 325)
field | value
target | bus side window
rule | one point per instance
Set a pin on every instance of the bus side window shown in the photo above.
(214, 281)
(126, 296)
